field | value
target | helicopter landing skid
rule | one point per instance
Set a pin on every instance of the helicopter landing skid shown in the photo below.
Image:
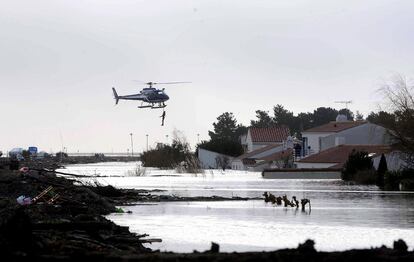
(144, 106)
(153, 106)
(156, 107)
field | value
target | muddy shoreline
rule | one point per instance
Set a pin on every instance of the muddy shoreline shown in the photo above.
(74, 226)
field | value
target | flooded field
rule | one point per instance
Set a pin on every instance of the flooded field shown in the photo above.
(342, 216)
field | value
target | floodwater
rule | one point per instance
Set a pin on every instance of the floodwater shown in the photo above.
(342, 216)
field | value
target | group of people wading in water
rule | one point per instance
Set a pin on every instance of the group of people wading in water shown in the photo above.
(269, 197)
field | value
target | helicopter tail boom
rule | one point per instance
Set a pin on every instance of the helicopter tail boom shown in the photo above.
(115, 95)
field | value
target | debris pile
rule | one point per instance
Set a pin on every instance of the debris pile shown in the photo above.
(269, 197)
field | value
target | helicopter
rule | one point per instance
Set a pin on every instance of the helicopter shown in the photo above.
(151, 97)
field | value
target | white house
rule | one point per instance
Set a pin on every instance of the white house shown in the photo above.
(395, 160)
(342, 132)
(249, 159)
(261, 137)
(335, 157)
(208, 159)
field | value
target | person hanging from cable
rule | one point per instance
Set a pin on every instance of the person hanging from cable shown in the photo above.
(163, 117)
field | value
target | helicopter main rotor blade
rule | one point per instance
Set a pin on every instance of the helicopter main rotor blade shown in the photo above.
(169, 83)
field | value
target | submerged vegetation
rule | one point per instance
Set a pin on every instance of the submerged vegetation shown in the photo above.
(176, 155)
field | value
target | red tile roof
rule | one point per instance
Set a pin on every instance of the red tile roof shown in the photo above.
(339, 154)
(271, 134)
(334, 127)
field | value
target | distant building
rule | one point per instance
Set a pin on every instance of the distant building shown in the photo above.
(212, 160)
(395, 160)
(342, 132)
(257, 138)
(335, 157)
(263, 147)
(271, 156)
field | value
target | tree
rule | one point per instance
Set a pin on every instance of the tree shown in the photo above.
(225, 128)
(225, 138)
(225, 147)
(398, 93)
(382, 118)
(305, 121)
(359, 116)
(382, 169)
(357, 161)
(323, 115)
(263, 120)
(282, 117)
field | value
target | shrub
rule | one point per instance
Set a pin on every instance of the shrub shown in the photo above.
(365, 177)
(404, 177)
(382, 169)
(177, 155)
(357, 161)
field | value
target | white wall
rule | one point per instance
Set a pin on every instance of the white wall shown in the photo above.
(249, 142)
(394, 161)
(208, 158)
(366, 134)
(313, 140)
(314, 165)
(237, 164)
(302, 175)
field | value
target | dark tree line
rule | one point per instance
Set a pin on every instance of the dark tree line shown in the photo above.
(302, 121)
(225, 137)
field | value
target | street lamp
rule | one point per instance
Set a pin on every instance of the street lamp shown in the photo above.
(132, 146)
(198, 138)
(147, 141)
(167, 138)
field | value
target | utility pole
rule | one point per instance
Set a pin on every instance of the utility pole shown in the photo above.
(147, 141)
(132, 146)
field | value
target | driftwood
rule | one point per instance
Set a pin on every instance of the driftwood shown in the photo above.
(269, 197)
(305, 201)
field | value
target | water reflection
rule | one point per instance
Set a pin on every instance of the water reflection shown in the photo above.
(343, 216)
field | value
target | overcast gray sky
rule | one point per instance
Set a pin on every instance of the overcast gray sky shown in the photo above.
(59, 60)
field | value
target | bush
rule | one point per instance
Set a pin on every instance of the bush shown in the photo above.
(365, 177)
(407, 185)
(164, 156)
(61, 155)
(357, 161)
(177, 155)
(404, 177)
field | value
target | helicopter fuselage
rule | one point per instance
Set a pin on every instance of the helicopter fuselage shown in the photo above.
(147, 95)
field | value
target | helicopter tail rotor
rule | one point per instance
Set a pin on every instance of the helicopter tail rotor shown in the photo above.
(115, 95)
